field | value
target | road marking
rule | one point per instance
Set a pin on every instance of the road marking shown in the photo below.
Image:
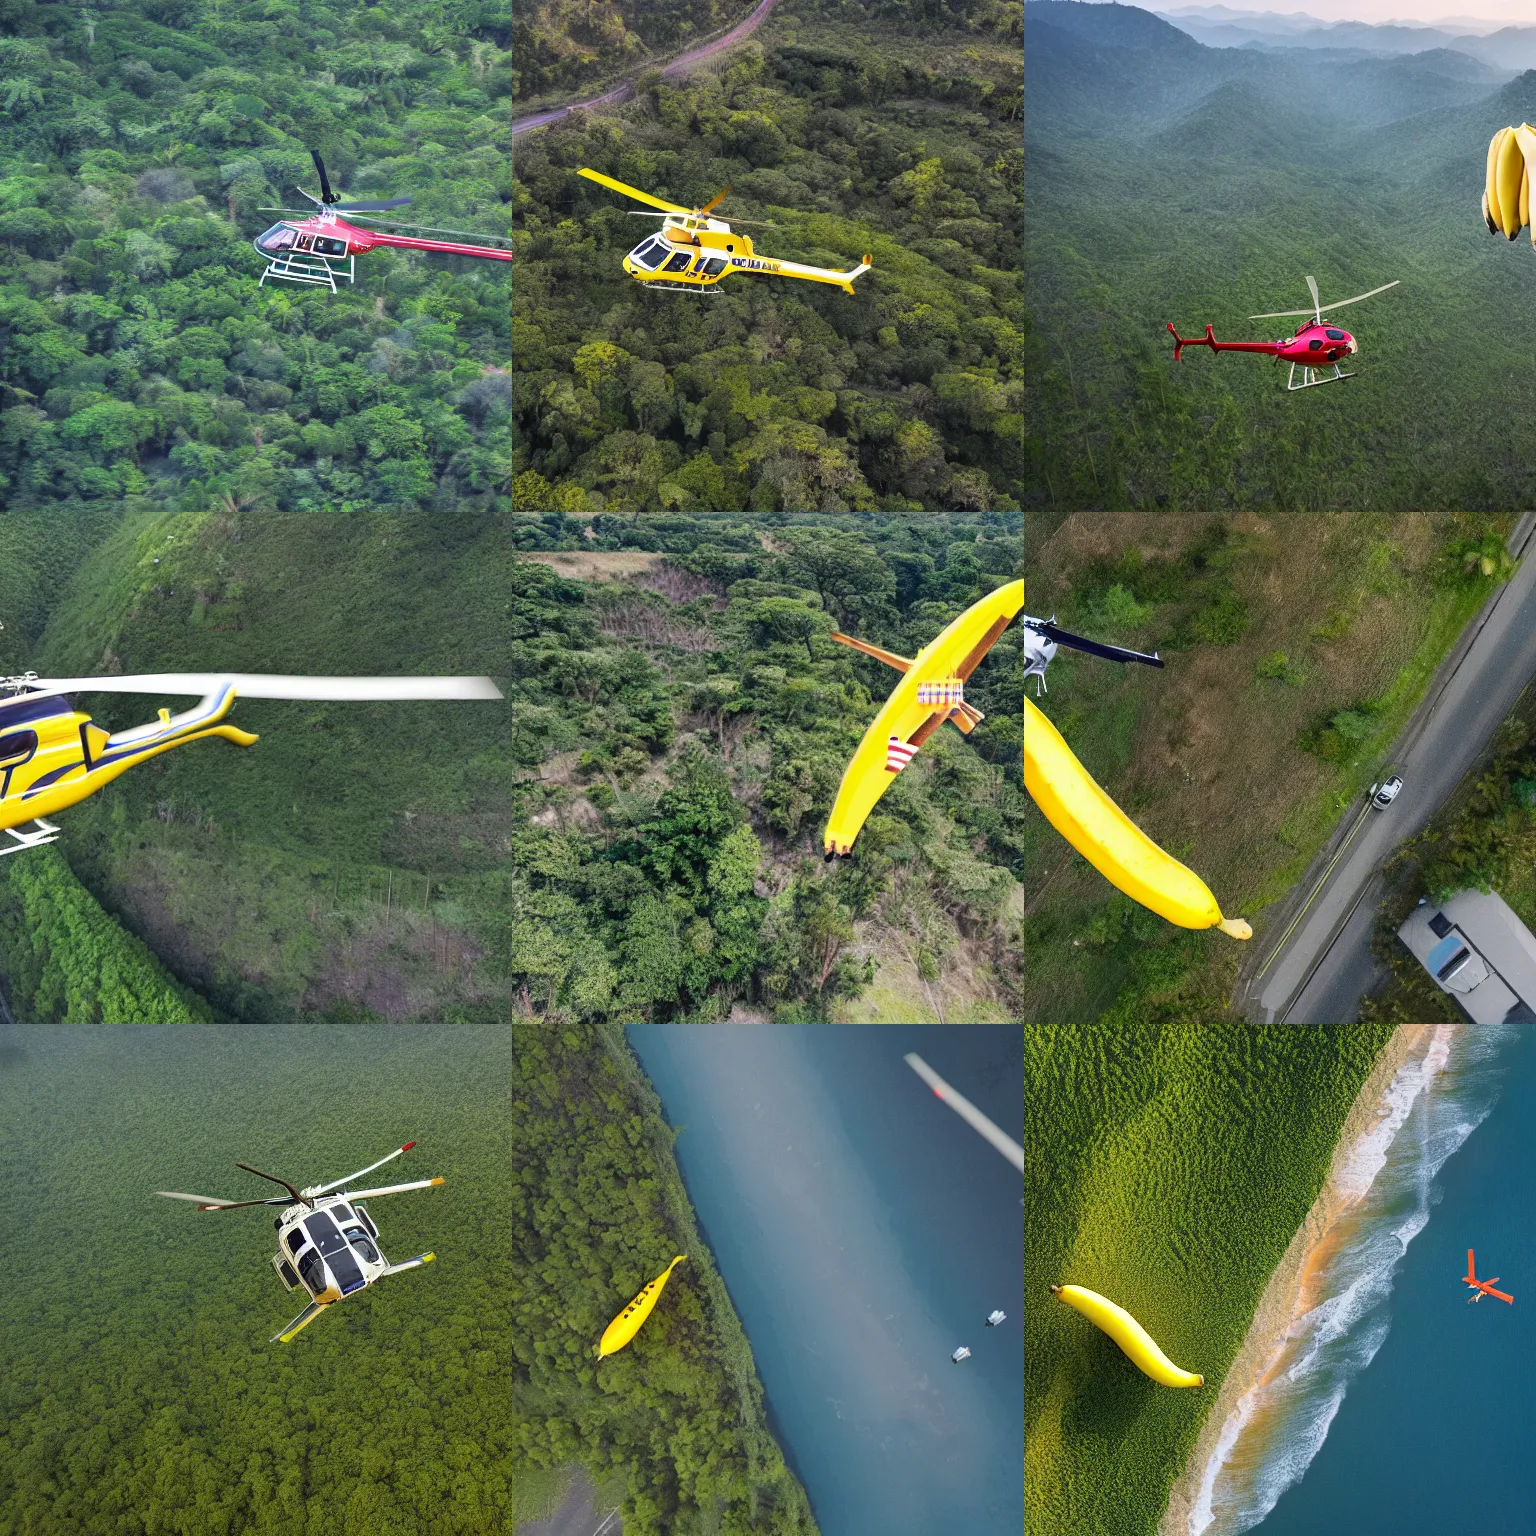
(606, 1518)
(1323, 879)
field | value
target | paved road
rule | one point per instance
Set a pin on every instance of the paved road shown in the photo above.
(578, 1514)
(677, 66)
(1325, 966)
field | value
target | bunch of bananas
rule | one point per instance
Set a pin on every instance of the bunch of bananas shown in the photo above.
(1507, 186)
(1079, 809)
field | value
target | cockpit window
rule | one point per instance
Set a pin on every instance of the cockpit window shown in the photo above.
(649, 254)
(18, 745)
(1334, 335)
(313, 1272)
(362, 1243)
(679, 262)
(295, 1240)
(277, 239)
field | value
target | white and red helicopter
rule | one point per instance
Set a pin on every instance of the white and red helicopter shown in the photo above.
(302, 250)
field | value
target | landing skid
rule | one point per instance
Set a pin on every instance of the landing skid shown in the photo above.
(309, 269)
(1310, 380)
(681, 288)
(46, 832)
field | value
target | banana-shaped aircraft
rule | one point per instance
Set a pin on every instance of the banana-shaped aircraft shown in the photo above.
(932, 690)
(1079, 809)
(691, 252)
(1507, 181)
(627, 1324)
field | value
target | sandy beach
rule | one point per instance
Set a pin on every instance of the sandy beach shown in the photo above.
(1292, 1288)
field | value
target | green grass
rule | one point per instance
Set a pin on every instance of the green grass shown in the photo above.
(1167, 1167)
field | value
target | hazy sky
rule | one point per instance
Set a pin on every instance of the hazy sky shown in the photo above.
(1484, 15)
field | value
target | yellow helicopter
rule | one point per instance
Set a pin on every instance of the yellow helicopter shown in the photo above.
(691, 251)
(52, 755)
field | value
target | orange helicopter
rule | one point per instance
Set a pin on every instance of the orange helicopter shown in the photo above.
(1481, 1288)
(52, 755)
(302, 252)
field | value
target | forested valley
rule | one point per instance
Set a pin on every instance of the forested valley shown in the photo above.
(681, 722)
(139, 359)
(888, 129)
(1169, 181)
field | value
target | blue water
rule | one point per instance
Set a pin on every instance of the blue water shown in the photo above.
(1434, 1436)
(864, 1232)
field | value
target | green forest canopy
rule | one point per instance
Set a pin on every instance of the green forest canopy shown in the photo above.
(138, 355)
(852, 136)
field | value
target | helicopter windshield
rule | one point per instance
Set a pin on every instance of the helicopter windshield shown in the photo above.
(648, 253)
(363, 1244)
(276, 240)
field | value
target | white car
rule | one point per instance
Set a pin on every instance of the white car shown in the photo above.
(1382, 795)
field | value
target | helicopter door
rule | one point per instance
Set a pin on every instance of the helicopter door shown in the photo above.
(714, 266)
(679, 263)
(325, 246)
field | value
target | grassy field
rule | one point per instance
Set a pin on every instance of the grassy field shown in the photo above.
(1168, 1168)
(1296, 646)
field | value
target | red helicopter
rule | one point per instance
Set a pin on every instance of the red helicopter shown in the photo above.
(303, 252)
(1313, 344)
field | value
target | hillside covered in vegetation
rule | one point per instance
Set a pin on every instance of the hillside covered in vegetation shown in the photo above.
(350, 864)
(854, 129)
(680, 730)
(1171, 182)
(139, 358)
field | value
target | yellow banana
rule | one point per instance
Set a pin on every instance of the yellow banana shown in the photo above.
(1493, 228)
(1075, 805)
(1511, 164)
(1138, 1344)
(1525, 196)
(1525, 136)
(1491, 180)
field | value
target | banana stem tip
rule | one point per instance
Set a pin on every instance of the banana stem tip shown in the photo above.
(1236, 927)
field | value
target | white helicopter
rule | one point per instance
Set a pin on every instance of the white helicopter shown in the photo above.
(1041, 637)
(327, 1242)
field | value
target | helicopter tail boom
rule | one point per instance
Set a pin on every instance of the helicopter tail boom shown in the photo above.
(1209, 340)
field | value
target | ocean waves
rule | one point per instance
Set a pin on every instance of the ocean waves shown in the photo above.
(1377, 1200)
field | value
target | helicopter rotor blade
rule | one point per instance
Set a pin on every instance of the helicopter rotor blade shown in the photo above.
(303, 213)
(298, 1198)
(320, 1189)
(715, 202)
(967, 1111)
(392, 1189)
(1281, 314)
(327, 196)
(1317, 303)
(264, 685)
(399, 202)
(1374, 291)
(1091, 647)
(210, 1203)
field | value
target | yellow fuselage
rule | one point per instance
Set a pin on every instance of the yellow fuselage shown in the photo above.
(53, 756)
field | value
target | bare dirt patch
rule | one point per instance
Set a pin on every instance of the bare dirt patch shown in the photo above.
(597, 565)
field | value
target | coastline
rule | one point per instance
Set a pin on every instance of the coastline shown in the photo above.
(1288, 1293)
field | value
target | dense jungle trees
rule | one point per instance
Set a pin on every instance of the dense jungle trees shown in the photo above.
(138, 355)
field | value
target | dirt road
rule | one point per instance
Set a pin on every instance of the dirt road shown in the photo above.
(677, 66)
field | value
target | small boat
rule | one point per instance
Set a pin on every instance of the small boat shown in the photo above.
(961, 1354)
(994, 1318)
